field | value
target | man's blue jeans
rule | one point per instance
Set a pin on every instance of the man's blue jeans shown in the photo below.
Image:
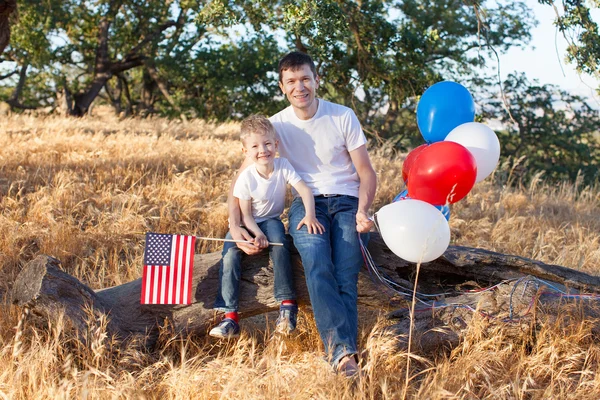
(332, 262)
(230, 271)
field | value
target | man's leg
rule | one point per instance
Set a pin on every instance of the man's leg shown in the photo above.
(347, 260)
(328, 305)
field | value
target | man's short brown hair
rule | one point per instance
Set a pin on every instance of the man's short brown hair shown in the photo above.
(256, 124)
(294, 61)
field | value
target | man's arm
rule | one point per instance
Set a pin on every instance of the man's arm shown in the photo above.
(235, 220)
(368, 186)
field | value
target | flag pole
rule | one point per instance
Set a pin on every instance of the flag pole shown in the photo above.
(236, 241)
(225, 240)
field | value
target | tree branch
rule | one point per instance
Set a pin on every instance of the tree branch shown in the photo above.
(133, 53)
(163, 88)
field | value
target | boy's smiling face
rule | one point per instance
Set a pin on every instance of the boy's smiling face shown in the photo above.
(261, 149)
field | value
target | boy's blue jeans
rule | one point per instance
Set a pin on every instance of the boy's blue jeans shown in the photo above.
(230, 270)
(332, 262)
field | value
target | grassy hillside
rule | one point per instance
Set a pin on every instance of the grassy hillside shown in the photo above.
(82, 190)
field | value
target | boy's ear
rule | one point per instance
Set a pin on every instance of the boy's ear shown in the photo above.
(244, 150)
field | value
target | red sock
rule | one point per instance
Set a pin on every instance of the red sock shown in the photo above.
(288, 302)
(232, 315)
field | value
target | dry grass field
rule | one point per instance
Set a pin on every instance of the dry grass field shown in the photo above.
(80, 190)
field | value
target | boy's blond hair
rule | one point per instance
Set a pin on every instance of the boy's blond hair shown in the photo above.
(256, 124)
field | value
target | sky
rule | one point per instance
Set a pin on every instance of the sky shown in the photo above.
(544, 58)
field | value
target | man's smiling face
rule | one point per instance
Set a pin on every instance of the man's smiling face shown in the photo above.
(300, 86)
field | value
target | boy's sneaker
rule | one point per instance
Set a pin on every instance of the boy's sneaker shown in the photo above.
(286, 323)
(227, 329)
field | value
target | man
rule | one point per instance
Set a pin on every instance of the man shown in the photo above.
(326, 145)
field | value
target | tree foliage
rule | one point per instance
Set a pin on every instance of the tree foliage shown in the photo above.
(573, 19)
(216, 59)
(183, 57)
(547, 130)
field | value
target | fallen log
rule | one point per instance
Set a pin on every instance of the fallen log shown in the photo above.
(47, 290)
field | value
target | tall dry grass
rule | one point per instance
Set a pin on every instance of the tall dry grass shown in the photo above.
(81, 190)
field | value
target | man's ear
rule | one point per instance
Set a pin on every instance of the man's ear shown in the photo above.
(317, 81)
(281, 87)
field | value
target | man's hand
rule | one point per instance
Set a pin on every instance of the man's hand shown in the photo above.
(240, 233)
(363, 222)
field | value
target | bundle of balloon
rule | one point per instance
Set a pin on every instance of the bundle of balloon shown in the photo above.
(457, 154)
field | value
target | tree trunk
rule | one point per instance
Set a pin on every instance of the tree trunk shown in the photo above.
(13, 101)
(7, 9)
(126, 92)
(114, 94)
(105, 68)
(45, 290)
(148, 97)
(162, 86)
(102, 72)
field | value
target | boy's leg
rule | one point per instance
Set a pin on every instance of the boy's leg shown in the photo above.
(283, 288)
(228, 291)
(229, 277)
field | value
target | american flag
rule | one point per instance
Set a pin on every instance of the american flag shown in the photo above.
(168, 269)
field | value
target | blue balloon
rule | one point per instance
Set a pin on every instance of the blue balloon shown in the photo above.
(403, 195)
(444, 106)
(445, 211)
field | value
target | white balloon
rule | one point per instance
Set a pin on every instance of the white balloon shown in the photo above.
(482, 142)
(414, 230)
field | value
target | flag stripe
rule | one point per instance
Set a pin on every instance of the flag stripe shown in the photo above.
(188, 260)
(155, 270)
(151, 284)
(180, 262)
(175, 263)
(163, 283)
(144, 296)
(168, 281)
(171, 283)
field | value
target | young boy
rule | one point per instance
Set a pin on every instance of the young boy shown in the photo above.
(261, 190)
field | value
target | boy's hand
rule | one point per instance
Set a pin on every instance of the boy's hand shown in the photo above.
(363, 222)
(239, 233)
(312, 224)
(261, 241)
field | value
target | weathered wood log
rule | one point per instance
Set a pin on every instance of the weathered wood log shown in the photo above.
(46, 290)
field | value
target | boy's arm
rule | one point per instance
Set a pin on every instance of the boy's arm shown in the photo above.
(366, 191)
(260, 239)
(310, 218)
(235, 220)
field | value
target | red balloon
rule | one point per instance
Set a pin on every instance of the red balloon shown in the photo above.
(410, 160)
(443, 173)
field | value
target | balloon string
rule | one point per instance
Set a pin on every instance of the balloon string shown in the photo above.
(430, 302)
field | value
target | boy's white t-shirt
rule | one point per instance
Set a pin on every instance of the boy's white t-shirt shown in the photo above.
(319, 148)
(267, 195)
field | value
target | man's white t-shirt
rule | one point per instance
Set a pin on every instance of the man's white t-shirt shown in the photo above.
(319, 148)
(267, 195)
